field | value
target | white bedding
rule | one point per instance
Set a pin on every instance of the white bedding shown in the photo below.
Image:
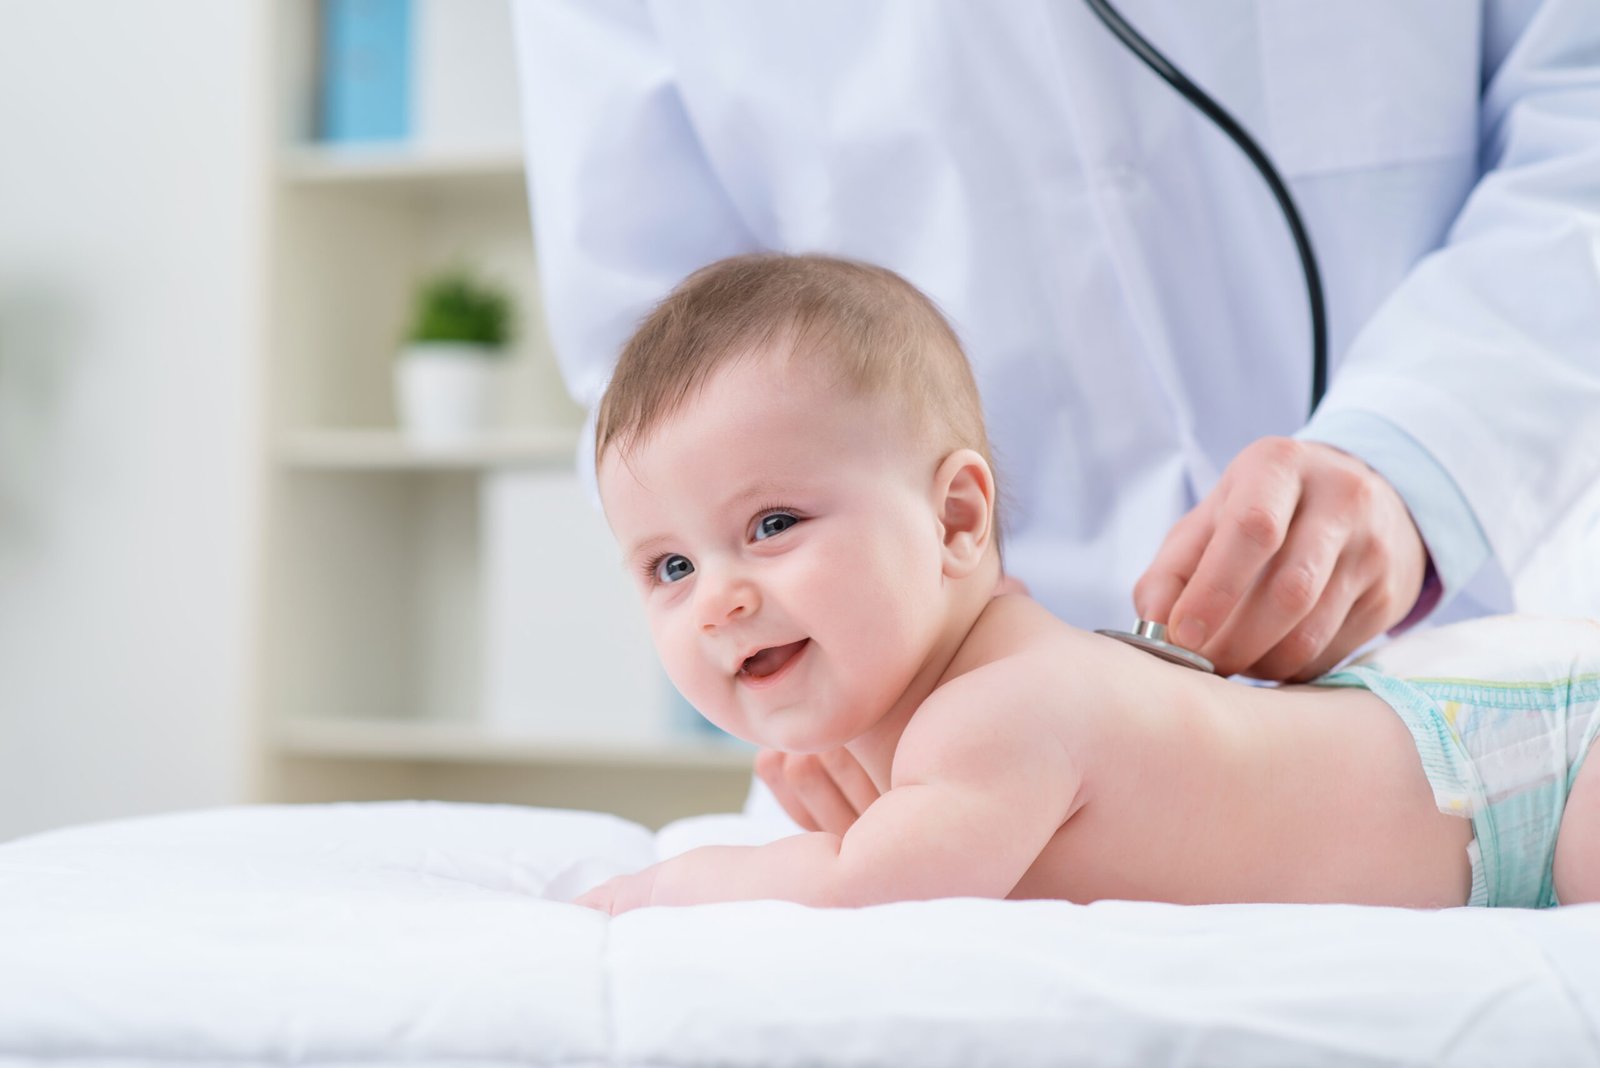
(420, 933)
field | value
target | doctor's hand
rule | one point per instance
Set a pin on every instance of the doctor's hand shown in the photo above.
(1298, 556)
(819, 791)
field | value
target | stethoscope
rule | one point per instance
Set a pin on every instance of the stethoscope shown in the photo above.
(1148, 635)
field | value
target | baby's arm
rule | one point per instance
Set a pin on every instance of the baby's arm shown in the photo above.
(981, 784)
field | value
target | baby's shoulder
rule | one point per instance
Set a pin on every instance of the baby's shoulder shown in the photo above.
(1021, 666)
(1009, 707)
(1019, 663)
(1018, 639)
(1008, 626)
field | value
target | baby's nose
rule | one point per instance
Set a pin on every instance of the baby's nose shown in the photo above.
(729, 598)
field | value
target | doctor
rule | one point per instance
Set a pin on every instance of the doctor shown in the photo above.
(1123, 282)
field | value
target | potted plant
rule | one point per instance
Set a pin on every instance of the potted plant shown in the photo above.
(458, 334)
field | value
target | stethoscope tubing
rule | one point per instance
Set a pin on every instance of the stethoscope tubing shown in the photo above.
(1148, 635)
(1174, 77)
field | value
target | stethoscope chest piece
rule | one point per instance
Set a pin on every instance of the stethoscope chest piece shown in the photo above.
(1152, 638)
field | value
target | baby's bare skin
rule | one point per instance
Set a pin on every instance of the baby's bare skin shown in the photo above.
(1178, 787)
(1196, 789)
(781, 514)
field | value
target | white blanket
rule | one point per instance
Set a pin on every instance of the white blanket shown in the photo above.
(421, 933)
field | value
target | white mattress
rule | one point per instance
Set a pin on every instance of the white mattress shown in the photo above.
(421, 933)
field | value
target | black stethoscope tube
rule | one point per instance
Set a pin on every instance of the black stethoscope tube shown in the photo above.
(1213, 111)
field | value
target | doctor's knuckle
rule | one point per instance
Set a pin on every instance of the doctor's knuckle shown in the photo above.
(1351, 488)
(1294, 589)
(1378, 556)
(1277, 452)
(1300, 646)
(1260, 526)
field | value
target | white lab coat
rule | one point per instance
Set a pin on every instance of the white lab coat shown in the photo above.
(1124, 285)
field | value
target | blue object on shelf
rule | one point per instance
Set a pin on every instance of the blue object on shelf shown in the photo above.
(366, 70)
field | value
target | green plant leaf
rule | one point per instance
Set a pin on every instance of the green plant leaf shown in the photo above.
(456, 305)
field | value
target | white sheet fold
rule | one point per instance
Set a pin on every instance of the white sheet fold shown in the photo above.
(421, 933)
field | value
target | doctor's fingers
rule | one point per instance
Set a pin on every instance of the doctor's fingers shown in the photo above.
(1161, 584)
(1294, 607)
(1308, 653)
(1381, 565)
(1318, 638)
(1255, 505)
(1376, 577)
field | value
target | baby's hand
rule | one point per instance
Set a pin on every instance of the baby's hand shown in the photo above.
(622, 894)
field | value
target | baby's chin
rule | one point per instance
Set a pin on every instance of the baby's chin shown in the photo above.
(807, 740)
(801, 727)
(795, 736)
(819, 726)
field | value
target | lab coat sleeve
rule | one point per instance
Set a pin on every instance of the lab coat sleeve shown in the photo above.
(624, 202)
(1488, 355)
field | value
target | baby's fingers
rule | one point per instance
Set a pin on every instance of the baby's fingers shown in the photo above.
(600, 898)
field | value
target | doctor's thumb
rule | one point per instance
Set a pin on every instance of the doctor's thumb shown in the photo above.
(1163, 582)
(1155, 593)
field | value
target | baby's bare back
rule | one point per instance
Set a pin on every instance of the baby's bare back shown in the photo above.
(1196, 789)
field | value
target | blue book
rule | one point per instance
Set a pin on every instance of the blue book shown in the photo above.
(366, 70)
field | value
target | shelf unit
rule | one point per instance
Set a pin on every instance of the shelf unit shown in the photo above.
(388, 450)
(438, 622)
(383, 166)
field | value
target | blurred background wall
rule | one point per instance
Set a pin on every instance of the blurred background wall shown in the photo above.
(229, 573)
(226, 574)
(131, 231)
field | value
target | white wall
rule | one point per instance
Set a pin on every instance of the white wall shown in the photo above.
(132, 177)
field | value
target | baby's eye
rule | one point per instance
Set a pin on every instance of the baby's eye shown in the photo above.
(671, 568)
(773, 523)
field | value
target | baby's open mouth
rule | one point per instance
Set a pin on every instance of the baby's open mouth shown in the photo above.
(769, 661)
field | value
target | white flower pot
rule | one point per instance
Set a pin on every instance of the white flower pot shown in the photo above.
(442, 391)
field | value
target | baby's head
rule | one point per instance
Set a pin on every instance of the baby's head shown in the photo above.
(792, 455)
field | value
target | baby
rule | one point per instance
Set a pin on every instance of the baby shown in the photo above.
(793, 458)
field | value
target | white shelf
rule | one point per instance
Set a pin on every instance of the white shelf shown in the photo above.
(389, 450)
(482, 743)
(389, 578)
(399, 166)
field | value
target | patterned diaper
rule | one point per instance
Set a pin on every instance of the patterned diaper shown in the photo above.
(1503, 711)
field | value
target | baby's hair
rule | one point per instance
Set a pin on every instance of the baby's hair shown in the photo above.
(871, 327)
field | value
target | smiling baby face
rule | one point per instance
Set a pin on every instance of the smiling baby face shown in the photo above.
(785, 537)
(792, 454)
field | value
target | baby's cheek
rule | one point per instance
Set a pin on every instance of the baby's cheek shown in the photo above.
(882, 622)
(719, 711)
(708, 690)
(885, 658)
(679, 656)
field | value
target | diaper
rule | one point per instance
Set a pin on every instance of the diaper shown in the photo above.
(1503, 712)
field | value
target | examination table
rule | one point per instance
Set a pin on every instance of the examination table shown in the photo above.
(431, 934)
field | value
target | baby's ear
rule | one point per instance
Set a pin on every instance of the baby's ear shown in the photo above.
(964, 492)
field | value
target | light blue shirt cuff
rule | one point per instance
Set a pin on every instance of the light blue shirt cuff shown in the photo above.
(1449, 528)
